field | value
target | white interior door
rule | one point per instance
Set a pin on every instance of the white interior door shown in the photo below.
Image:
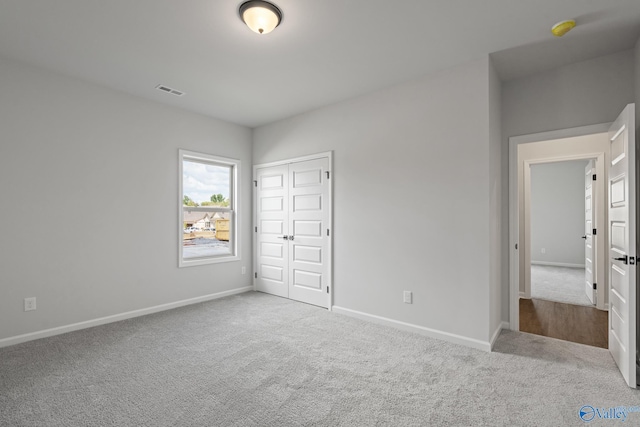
(292, 216)
(622, 244)
(308, 225)
(272, 248)
(589, 244)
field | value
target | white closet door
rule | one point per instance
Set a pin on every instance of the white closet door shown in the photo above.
(292, 216)
(308, 232)
(272, 248)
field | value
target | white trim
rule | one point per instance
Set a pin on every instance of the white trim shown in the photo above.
(557, 264)
(521, 295)
(433, 333)
(234, 209)
(526, 244)
(514, 266)
(329, 156)
(116, 317)
(560, 134)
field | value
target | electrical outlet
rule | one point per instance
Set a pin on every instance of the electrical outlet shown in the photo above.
(543, 251)
(244, 270)
(408, 297)
(30, 304)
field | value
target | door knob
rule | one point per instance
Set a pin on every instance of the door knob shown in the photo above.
(624, 259)
(584, 237)
(290, 237)
(283, 237)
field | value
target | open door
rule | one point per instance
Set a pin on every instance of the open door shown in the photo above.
(589, 244)
(622, 244)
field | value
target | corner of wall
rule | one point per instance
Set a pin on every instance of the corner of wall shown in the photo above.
(497, 277)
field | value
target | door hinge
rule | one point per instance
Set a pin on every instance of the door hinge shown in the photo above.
(255, 275)
(595, 286)
(327, 172)
(594, 232)
(516, 246)
(594, 176)
(256, 229)
(255, 183)
(327, 231)
(327, 289)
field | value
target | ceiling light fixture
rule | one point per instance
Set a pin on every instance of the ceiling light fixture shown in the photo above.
(261, 16)
(562, 28)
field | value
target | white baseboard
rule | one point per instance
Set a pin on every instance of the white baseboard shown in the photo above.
(557, 264)
(523, 295)
(5, 342)
(433, 333)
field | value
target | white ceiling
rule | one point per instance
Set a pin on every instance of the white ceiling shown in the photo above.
(324, 51)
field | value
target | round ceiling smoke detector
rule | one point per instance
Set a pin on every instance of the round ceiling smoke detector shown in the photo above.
(562, 28)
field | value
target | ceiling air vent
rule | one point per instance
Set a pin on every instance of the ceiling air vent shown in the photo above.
(167, 89)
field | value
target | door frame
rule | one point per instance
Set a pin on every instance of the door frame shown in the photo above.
(329, 156)
(518, 249)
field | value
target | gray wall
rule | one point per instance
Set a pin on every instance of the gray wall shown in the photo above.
(557, 212)
(580, 94)
(411, 197)
(637, 85)
(495, 215)
(89, 184)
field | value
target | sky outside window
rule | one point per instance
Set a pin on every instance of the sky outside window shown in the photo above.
(200, 181)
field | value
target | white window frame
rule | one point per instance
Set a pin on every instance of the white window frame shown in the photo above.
(233, 209)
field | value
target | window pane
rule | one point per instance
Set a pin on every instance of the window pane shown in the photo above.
(207, 189)
(206, 184)
(200, 240)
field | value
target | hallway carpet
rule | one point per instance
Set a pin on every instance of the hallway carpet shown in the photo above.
(258, 360)
(560, 284)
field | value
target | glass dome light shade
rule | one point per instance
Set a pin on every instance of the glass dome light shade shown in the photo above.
(260, 16)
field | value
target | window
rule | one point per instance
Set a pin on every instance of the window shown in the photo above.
(208, 209)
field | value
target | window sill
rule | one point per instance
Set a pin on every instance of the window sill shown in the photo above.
(204, 261)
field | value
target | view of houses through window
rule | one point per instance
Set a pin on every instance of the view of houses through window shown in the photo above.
(205, 234)
(207, 209)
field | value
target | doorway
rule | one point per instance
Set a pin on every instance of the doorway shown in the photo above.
(590, 142)
(553, 317)
(292, 229)
(562, 251)
(615, 143)
(560, 200)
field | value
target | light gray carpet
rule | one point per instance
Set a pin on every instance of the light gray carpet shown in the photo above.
(258, 360)
(561, 284)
